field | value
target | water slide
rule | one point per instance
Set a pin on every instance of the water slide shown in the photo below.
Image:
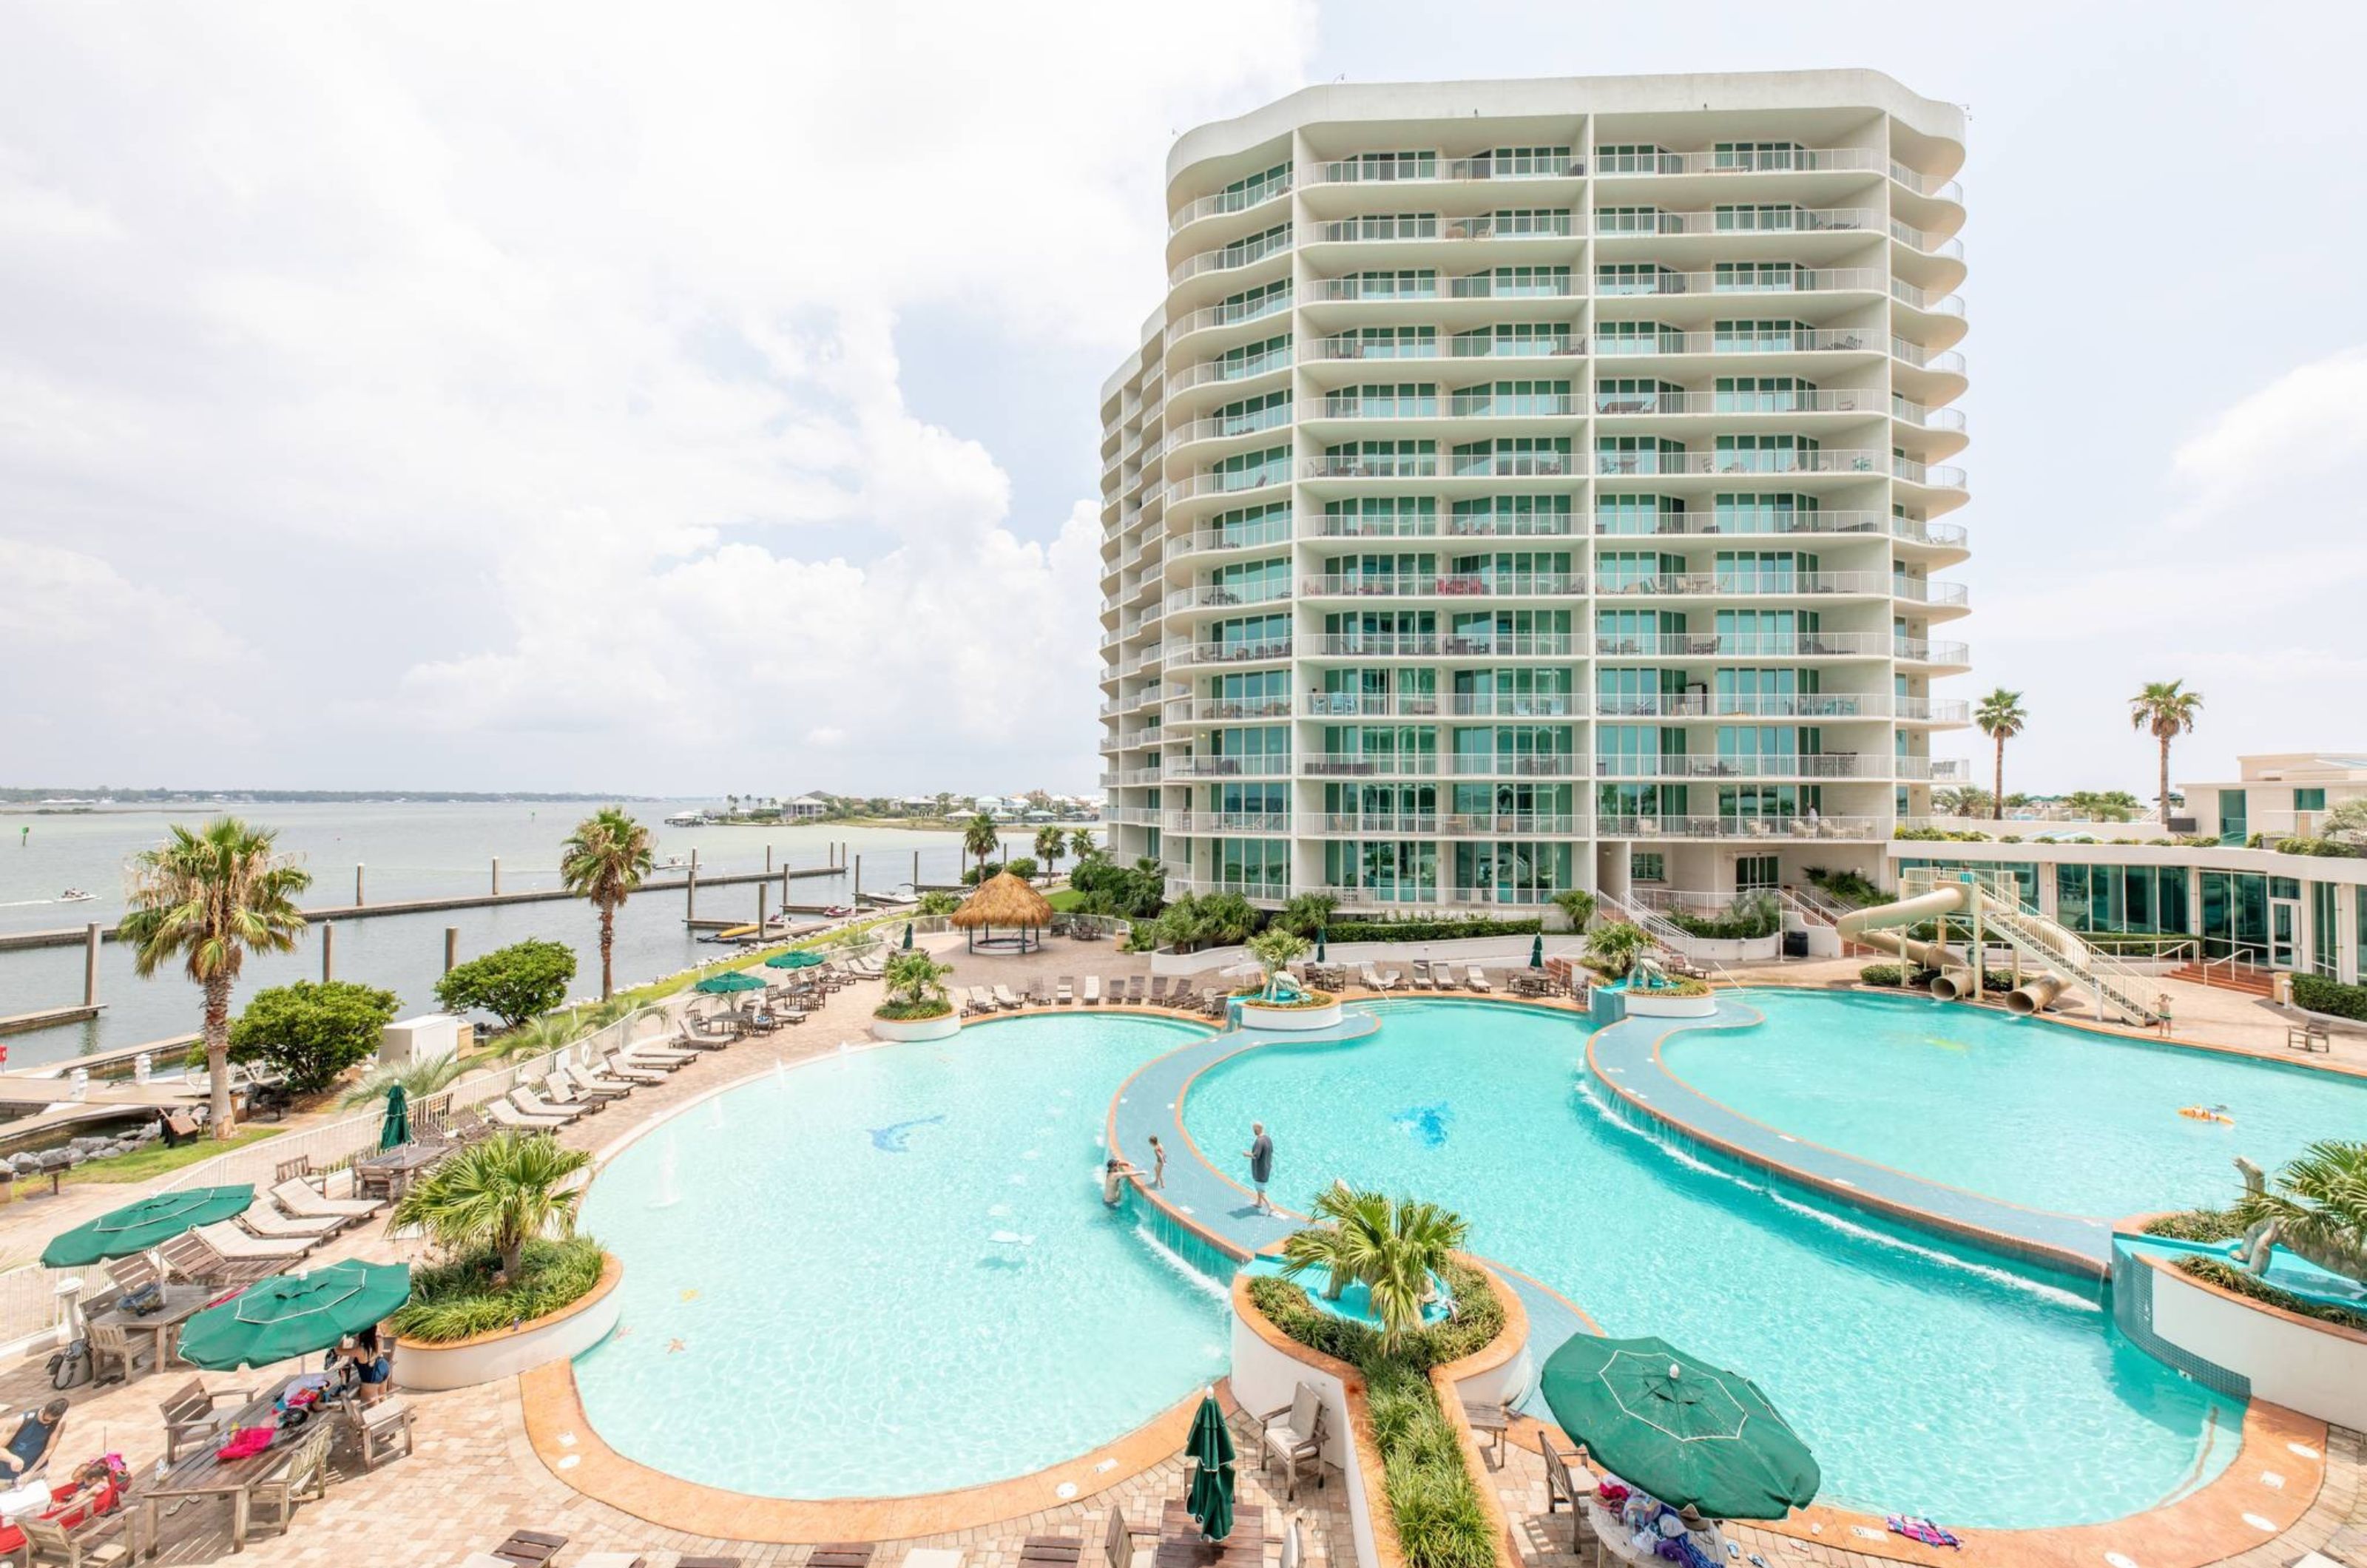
(2063, 961)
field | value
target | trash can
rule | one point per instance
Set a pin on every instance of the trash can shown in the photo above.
(1795, 944)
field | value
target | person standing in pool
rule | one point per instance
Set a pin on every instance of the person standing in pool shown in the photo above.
(1260, 1153)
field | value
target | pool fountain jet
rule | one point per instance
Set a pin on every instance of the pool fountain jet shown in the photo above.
(715, 1112)
(668, 1193)
(781, 1074)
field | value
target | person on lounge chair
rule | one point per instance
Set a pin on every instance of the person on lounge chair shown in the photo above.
(27, 1456)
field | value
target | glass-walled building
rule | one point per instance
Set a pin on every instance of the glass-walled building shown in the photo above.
(1530, 485)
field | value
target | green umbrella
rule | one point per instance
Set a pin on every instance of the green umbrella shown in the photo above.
(136, 1227)
(295, 1314)
(1537, 951)
(796, 958)
(1681, 1429)
(396, 1129)
(908, 936)
(1210, 1448)
(1318, 945)
(730, 980)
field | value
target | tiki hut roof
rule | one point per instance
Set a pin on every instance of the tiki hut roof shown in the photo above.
(1004, 901)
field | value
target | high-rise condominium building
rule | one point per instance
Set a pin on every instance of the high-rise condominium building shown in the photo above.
(1530, 485)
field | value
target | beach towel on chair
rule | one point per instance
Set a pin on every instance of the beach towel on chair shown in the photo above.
(1915, 1528)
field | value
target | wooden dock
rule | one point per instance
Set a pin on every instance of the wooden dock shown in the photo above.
(48, 1018)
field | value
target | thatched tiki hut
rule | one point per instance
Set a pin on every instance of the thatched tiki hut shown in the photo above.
(1011, 903)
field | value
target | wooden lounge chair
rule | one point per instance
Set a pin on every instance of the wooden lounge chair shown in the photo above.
(582, 1083)
(1065, 992)
(297, 1170)
(130, 1273)
(650, 1057)
(263, 1218)
(529, 1547)
(625, 1072)
(1157, 990)
(612, 1560)
(706, 1563)
(594, 1076)
(1421, 981)
(1476, 978)
(1294, 1434)
(560, 1090)
(840, 1554)
(298, 1197)
(532, 1104)
(191, 1418)
(1134, 990)
(1118, 1537)
(1004, 1000)
(238, 1246)
(1093, 993)
(190, 1256)
(504, 1115)
(1051, 1552)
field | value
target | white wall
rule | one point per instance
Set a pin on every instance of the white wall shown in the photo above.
(2319, 1371)
(1265, 1379)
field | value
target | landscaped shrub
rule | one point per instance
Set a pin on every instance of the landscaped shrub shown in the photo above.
(2331, 997)
(2227, 1277)
(2196, 1224)
(1433, 1497)
(456, 1300)
(1749, 919)
(1849, 886)
(1429, 930)
(311, 1032)
(1882, 975)
(513, 983)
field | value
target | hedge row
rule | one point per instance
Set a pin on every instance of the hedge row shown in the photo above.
(2227, 1277)
(1427, 930)
(2321, 995)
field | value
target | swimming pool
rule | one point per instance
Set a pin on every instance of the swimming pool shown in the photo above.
(890, 1273)
(1926, 1381)
(2019, 1109)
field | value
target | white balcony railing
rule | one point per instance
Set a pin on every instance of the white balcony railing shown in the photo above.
(1431, 645)
(1226, 202)
(1251, 767)
(1776, 460)
(1475, 585)
(1747, 161)
(1612, 225)
(1839, 765)
(1456, 825)
(1800, 827)
(1230, 258)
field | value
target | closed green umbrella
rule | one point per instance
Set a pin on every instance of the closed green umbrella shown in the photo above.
(1210, 1449)
(295, 1314)
(908, 936)
(1680, 1428)
(136, 1227)
(796, 958)
(1537, 951)
(1319, 946)
(729, 981)
(396, 1129)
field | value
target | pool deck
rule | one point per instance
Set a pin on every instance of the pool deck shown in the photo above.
(1626, 1058)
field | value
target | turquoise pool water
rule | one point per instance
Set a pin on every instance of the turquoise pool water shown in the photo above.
(2022, 1110)
(891, 1272)
(1958, 1388)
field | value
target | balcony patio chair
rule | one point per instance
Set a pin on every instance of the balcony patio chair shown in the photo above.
(1292, 1434)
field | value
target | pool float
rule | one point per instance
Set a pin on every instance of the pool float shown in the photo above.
(2206, 1113)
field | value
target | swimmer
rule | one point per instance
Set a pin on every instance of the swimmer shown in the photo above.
(1114, 1174)
(1158, 1162)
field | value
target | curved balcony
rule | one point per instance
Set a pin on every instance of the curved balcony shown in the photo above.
(1788, 220)
(1225, 202)
(1229, 258)
(1482, 286)
(1823, 399)
(1453, 405)
(1225, 372)
(1428, 226)
(1815, 827)
(1192, 486)
(1765, 585)
(1369, 352)
(1451, 824)
(1451, 585)
(1425, 465)
(1432, 645)
(1922, 650)
(1213, 596)
(1932, 476)
(1228, 426)
(1757, 160)
(1425, 169)
(1926, 242)
(1923, 590)
(1835, 765)
(1931, 301)
(1264, 534)
(1275, 766)
(1627, 465)
(1225, 821)
(1512, 525)
(1425, 704)
(1822, 705)
(1752, 644)
(1727, 286)
(1949, 421)
(1208, 318)
(1936, 186)
(1224, 710)
(1932, 710)
(1267, 650)
(1139, 739)
(1814, 340)
(1344, 765)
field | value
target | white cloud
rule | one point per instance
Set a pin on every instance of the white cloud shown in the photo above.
(2308, 423)
(523, 381)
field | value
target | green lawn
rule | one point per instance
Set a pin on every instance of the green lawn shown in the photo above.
(140, 1165)
(1065, 899)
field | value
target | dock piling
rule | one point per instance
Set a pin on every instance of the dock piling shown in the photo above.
(451, 947)
(497, 876)
(690, 889)
(328, 951)
(90, 966)
(358, 899)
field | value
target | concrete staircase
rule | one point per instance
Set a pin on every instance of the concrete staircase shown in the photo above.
(2244, 977)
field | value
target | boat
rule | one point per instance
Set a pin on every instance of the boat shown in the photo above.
(672, 863)
(75, 896)
(687, 819)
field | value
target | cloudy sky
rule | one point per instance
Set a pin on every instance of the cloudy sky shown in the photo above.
(701, 398)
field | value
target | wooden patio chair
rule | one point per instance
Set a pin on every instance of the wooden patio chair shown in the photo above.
(1158, 997)
(378, 1429)
(191, 1419)
(303, 1479)
(529, 1547)
(1118, 1548)
(1562, 1489)
(1292, 1434)
(84, 1541)
(840, 1554)
(112, 1352)
(192, 1258)
(1134, 990)
(297, 1170)
(1051, 1552)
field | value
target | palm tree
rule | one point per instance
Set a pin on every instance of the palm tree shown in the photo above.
(1577, 906)
(1050, 845)
(913, 977)
(2166, 711)
(498, 1194)
(605, 861)
(432, 1075)
(1081, 842)
(980, 839)
(2001, 716)
(2319, 1212)
(1616, 944)
(210, 898)
(1276, 948)
(1391, 1248)
(537, 1036)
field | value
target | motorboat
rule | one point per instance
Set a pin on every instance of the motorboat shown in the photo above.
(75, 896)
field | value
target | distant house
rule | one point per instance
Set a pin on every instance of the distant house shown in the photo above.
(806, 807)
